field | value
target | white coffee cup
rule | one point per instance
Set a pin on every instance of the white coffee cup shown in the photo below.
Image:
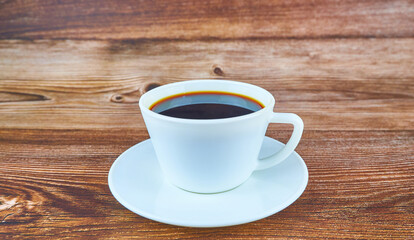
(214, 155)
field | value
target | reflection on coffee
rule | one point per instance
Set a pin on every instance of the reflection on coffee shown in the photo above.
(206, 105)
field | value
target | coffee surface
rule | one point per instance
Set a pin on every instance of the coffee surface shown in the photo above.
(206, 105)
(206, 111)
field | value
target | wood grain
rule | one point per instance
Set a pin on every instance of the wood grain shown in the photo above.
(53, 184)
(183, 19)
(335, 84)
(72, 73)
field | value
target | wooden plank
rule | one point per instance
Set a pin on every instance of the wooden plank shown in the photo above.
(177, 19)
(348, 84)
(54, 183)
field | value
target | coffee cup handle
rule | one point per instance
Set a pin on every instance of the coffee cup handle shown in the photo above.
(290, 146)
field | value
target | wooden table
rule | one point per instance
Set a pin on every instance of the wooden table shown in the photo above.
(71, 74)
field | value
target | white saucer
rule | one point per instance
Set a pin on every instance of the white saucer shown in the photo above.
(136, 181)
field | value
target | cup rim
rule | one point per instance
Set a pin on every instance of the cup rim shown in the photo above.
(146, 110)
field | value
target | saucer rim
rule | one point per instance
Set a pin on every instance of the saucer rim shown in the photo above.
(301, 188)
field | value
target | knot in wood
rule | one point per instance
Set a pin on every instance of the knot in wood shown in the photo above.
(151, 86)
(218, 71)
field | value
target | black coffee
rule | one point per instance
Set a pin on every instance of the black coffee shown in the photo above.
(206, 105)
(206, 111)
